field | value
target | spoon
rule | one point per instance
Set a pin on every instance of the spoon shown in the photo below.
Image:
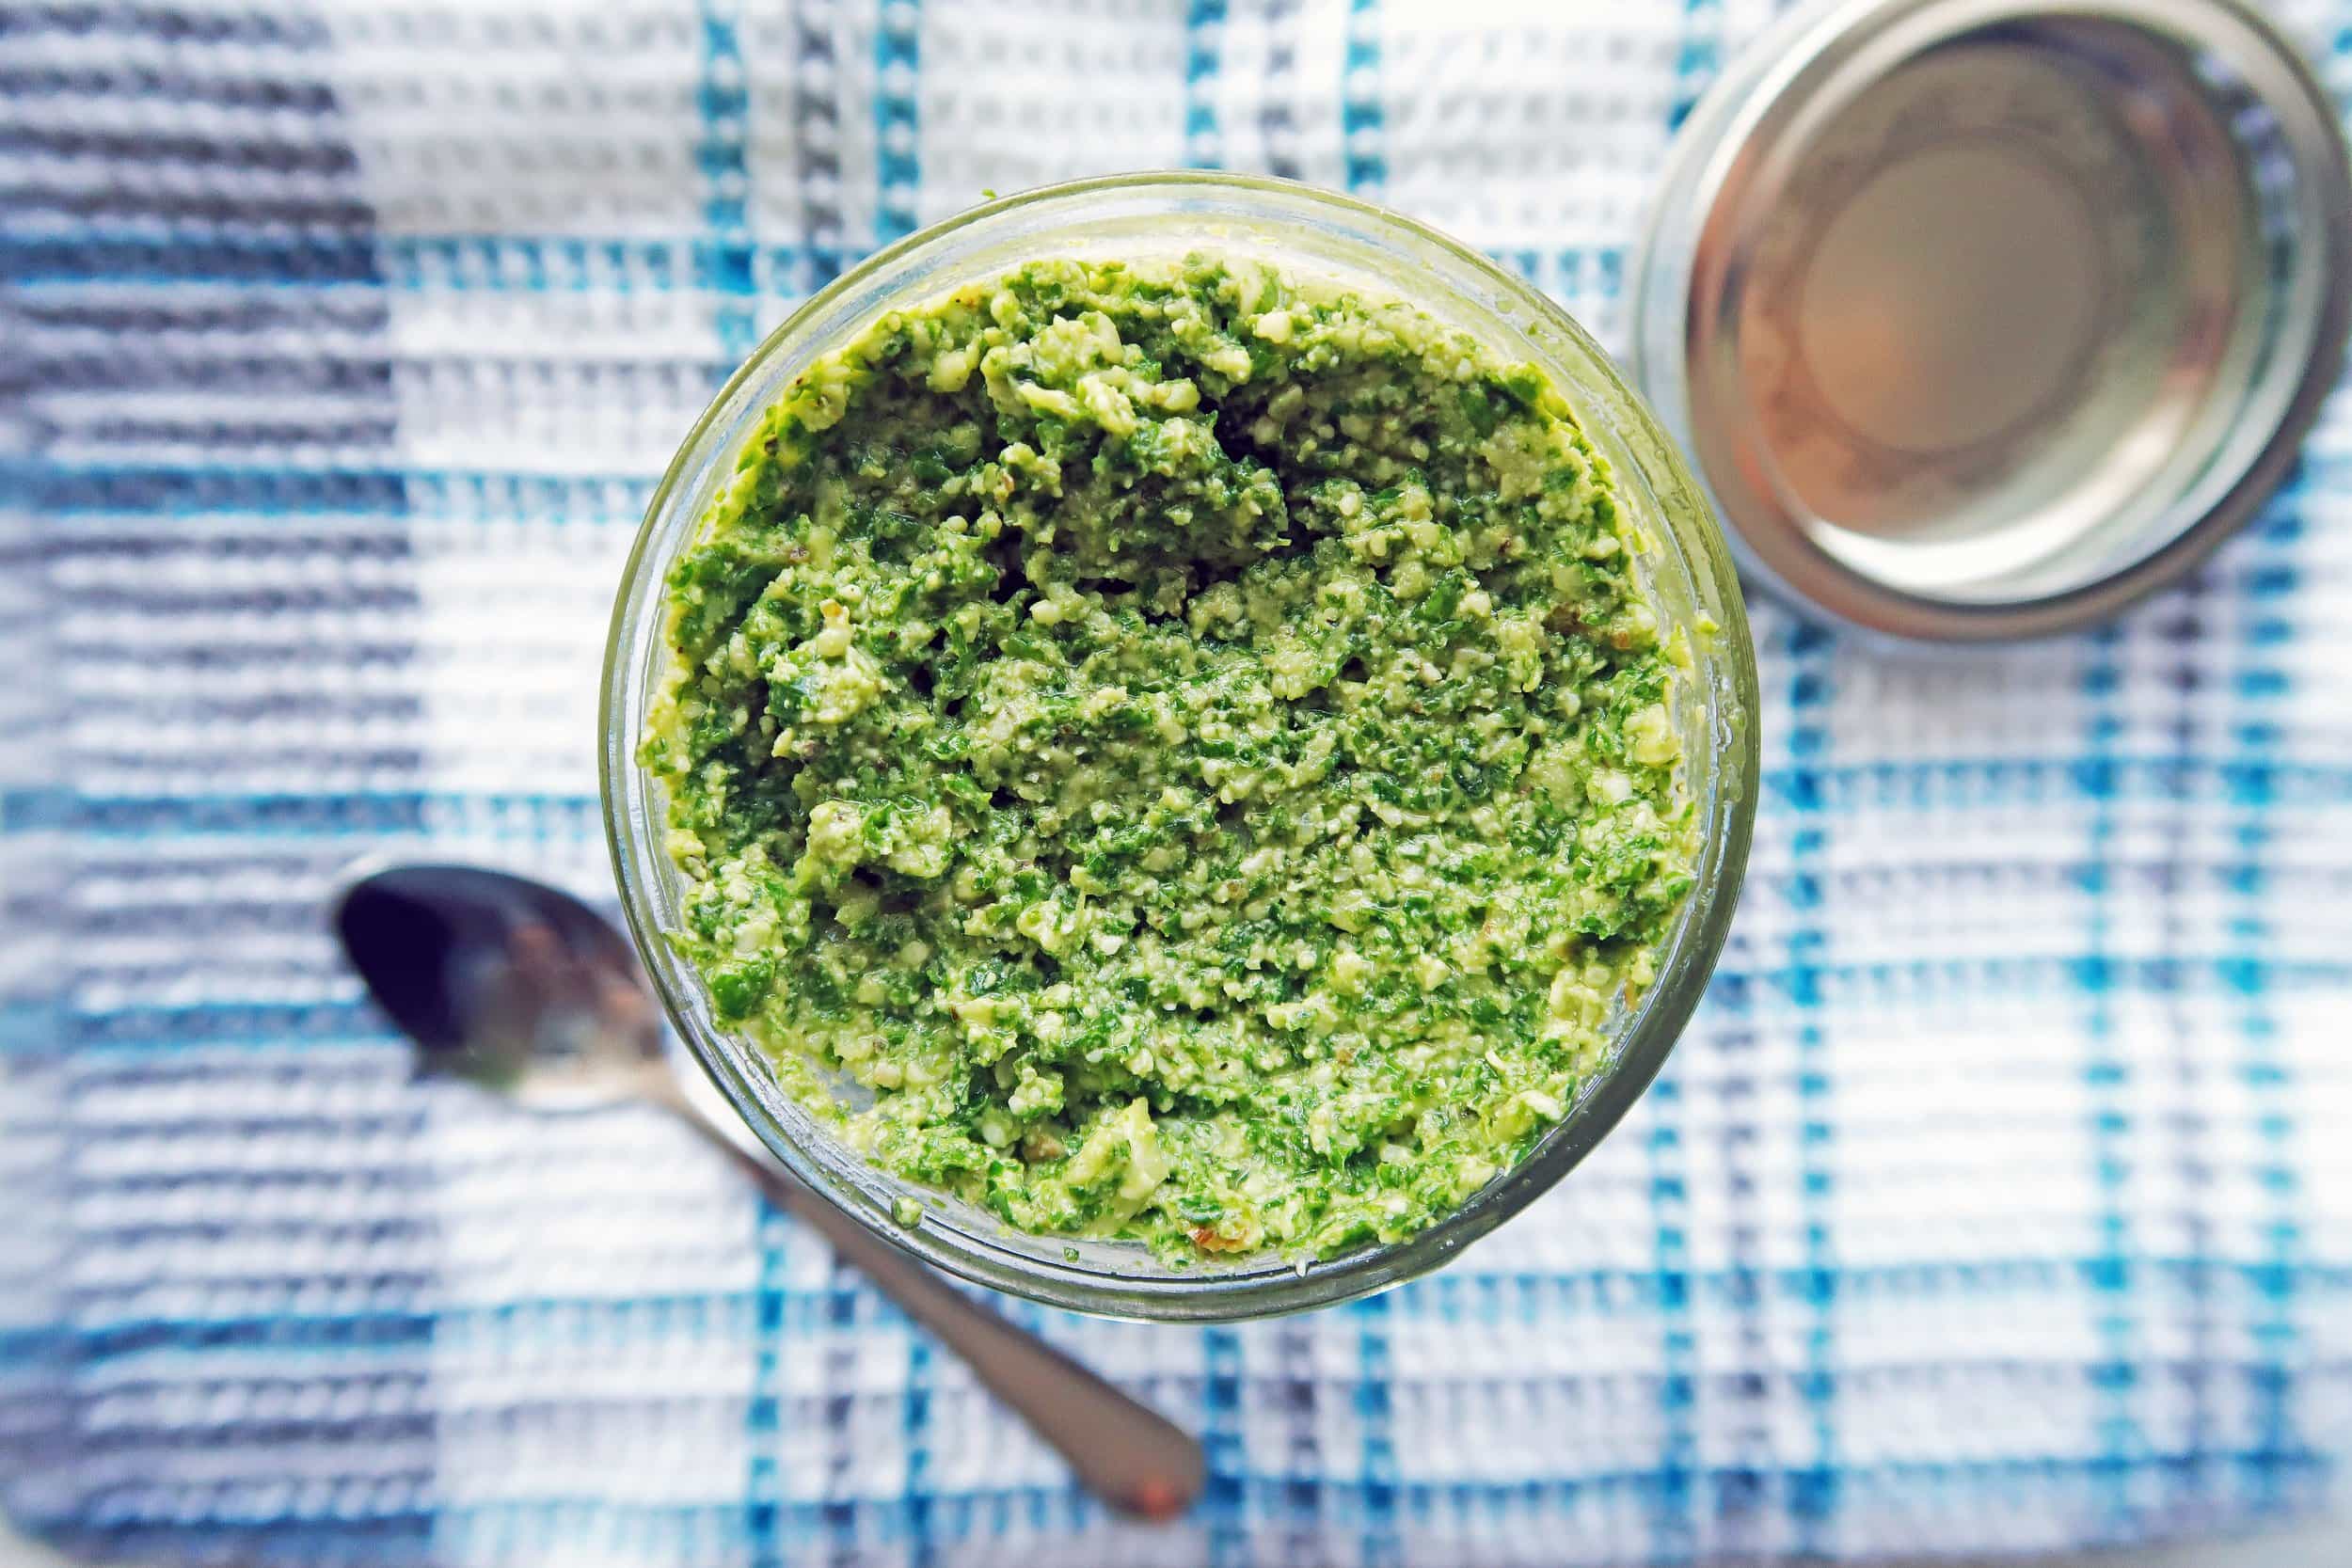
(523, 989)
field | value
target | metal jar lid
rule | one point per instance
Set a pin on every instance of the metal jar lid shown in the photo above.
(1983, 318)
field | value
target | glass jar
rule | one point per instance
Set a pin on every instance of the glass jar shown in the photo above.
(1307, 232)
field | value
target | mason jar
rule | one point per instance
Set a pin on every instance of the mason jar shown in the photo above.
(1308, 233)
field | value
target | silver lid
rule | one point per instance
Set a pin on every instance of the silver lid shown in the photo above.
(1983, 317)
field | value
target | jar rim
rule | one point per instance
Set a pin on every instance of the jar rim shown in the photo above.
(1269, 1284)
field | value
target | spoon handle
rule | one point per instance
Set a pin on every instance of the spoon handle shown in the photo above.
(1124, 1452)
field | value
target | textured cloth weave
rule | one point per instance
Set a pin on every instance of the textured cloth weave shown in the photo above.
(2000, 1198)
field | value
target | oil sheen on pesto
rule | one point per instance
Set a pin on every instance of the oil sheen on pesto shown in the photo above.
(1172, 752)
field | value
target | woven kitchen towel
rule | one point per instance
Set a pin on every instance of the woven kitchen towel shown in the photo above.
(2000, 1198)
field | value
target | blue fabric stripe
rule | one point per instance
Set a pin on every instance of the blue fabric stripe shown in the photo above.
(897, 118)
(2190, 1152)
(921, 1494)
(2281, 1458)
(281, 1334)
(764, 1502)
(374, 815)
(725, 266)
(2106, 1075)
(403, 1535)
(1363, 118)
(367, 488)
(601, 1319)
(881, 1524)
(533, 263)
(308, 1542)
(1376, 1414)
(279, 262)
(1204, 41)
(1672, 1526)
(485, 262)
(1222, 1498)
(1698, 59)
(1813, 1493)
(196, 1024)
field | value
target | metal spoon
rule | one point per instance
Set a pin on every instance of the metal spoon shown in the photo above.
(521, 989)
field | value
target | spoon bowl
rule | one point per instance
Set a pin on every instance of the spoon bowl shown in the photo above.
(504, 982)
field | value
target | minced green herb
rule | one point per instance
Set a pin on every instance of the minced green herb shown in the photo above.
(1191, 745)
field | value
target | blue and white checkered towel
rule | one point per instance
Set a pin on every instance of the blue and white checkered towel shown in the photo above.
(2000, 1198)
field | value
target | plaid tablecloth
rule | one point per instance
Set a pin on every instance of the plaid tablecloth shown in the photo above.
(2001, 1197)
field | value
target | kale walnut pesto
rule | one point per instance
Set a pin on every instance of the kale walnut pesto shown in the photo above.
(1189, 742)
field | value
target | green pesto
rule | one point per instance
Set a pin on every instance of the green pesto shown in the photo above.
(1168, 751)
